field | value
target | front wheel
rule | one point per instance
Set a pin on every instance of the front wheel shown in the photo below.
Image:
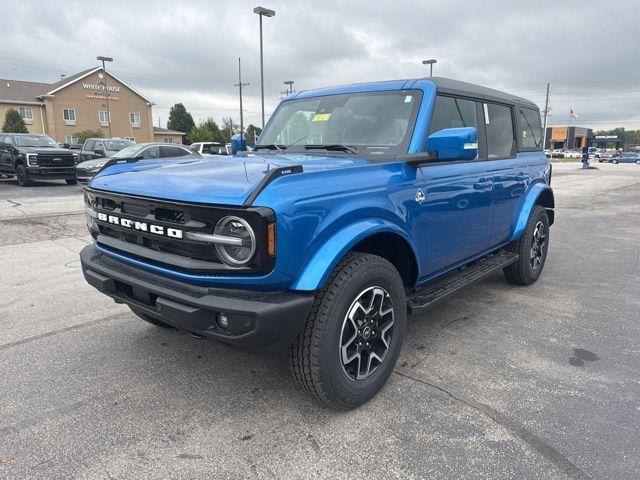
(614, 161)
(22, 175)
(350, 343)
(531, 248)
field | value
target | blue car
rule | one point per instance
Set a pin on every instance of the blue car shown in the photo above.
(360, 204)
(627, 157)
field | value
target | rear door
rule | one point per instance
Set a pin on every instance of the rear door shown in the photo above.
(458, 194)
(508, 170)
(4, 151)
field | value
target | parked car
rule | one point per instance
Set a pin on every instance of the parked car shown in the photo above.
(547, 153)
(209, 148)
(627, 157)
(572, 154)
(137, 151)
(36, 157)
(385, 198)
(103, 147)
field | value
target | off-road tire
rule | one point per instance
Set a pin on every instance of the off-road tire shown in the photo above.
(22, 175)
(151, 320)
(71, 181)
(315, 358)
(522, 272)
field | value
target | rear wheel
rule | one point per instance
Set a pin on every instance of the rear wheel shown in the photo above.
(531, 248)
(71, 181)
(151, 320)
(352, 337)
(22, 175)
(614, 161)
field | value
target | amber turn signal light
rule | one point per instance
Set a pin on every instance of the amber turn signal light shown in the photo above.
(271, 239)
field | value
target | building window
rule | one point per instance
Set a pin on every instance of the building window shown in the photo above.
(69, 115)
(168, 140)
(27, 114)
(103, 116)
(134, 118)
(70, 139)
(133, 139)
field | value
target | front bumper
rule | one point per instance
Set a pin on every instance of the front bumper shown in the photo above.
(52, 173)
(267, 322)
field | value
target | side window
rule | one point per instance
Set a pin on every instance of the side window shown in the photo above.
(89, 145)
(172, 152)
(151, 152)
(499, 127)
(530, 129)
(450, 112)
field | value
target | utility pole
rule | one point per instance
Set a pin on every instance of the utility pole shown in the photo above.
(546, 114)
(106, 91)
(262, 12)
(240, 85)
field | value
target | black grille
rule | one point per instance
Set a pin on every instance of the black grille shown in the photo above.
(55, 160)
(82, 172)
(172, 215)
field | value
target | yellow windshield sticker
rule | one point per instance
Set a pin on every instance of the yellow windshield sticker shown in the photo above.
(321, 117)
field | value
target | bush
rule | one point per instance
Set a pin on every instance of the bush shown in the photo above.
(86, 134)
(13, 122)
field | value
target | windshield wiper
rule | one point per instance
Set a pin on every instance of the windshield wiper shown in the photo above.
(271, 146)
(336, 147)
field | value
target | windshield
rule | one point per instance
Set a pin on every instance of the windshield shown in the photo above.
(128, 152)
(116, 145)
(43, 141)
(372, 122)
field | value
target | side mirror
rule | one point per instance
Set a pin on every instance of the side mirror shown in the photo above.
(454, 143)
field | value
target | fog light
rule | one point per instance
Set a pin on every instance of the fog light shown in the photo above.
(223, 320)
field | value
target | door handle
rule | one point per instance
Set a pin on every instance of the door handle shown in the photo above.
(483, 184)
(522, 177)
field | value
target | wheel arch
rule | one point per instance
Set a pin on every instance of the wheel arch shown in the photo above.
(539, 194)
(376, 236)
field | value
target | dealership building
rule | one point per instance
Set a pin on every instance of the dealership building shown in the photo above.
(568, 137)
(90, 100)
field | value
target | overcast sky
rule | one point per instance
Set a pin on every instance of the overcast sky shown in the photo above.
(187, 51)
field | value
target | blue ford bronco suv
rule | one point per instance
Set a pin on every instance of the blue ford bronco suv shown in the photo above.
(359, 205)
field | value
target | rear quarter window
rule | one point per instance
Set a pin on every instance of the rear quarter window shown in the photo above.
(529, 129)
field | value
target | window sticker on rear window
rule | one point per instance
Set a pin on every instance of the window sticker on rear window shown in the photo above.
(407, 99)
(321, 117)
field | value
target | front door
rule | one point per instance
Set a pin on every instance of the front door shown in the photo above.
(458, 195)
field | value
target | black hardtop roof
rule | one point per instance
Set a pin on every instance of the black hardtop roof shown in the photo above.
(456, 87)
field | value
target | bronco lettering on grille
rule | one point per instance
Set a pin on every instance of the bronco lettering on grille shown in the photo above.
(140, 226)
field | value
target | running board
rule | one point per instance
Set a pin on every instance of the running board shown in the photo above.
(454, 281)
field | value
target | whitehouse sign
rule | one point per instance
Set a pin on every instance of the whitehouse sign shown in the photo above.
(100, 88)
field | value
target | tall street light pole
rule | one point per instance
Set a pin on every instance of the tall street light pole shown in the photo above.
(430, 62)
(240, 86)
(106, 92)
(262, 12)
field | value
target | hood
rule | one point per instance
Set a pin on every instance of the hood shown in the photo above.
(95, 163)
(45, 150)
(222, 180)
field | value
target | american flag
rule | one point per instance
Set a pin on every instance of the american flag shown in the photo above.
(573, 114)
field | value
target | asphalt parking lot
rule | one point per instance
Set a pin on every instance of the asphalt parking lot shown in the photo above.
(498, 381)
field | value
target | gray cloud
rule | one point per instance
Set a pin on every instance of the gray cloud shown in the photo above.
(187, 51)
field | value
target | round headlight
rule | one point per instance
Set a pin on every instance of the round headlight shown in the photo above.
(241, 241)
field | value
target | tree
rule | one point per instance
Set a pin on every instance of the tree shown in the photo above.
(180, 120)
(13, 122)
(207, 131)
(229, 127)
(86, 134)
(252, 133)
